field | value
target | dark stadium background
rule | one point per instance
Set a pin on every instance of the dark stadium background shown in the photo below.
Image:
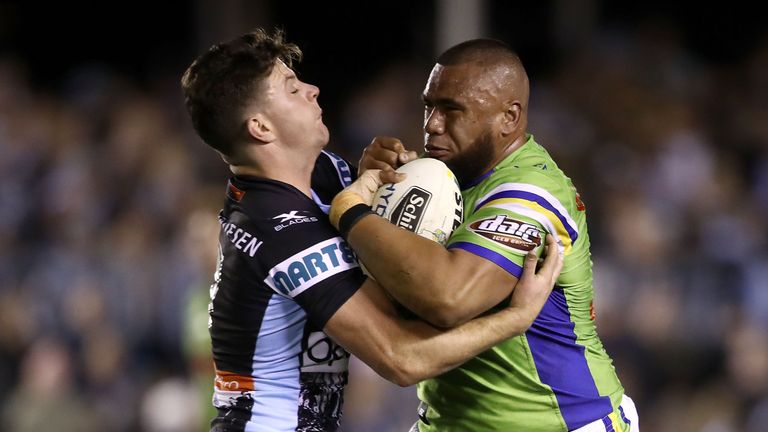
(656, 109)
(141, 38)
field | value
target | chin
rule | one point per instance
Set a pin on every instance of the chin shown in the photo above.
(446, 159)
(323, 133)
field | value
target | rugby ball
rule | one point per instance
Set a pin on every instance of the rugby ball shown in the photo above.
(428, 202)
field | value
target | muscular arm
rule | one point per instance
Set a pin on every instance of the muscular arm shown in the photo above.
(443, 286)
(406, 352)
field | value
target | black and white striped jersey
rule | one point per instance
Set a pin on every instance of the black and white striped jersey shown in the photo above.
(283, 271)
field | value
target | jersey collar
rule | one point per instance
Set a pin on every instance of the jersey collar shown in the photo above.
(504, 162)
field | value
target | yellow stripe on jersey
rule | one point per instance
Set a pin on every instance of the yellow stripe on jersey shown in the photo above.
(615, 422)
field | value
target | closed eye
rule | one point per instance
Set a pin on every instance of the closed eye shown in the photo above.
(443, 104)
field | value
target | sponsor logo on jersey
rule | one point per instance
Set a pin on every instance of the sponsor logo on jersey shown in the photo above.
(230, 381)
(310, 266)
(322, 354)
(292, 218)
(458, 214)
(508, 232)
(410, 210)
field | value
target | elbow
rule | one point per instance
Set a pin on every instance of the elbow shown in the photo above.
(400, 370)
(404, 377)
(447, 306)
(446, 319)
(446, 313)
(406, 381)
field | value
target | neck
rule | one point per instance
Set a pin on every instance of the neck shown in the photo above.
(296, 171)
(510, 148)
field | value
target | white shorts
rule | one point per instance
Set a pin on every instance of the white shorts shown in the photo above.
(613, 422)
(627, 414)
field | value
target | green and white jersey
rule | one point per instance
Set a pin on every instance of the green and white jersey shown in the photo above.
(557, 376)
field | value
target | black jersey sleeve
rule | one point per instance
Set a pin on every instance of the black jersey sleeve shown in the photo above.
(320, 276)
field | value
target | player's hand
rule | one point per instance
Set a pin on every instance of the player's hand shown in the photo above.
(385, 153)
(370, 181)
(361, 192)
(534, 287)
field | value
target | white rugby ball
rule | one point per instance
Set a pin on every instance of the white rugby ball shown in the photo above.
(428, 202)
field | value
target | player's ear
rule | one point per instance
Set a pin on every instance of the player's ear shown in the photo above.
(511, 117)
(260, 128)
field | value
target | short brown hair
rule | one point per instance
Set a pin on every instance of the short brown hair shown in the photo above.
(220, 83)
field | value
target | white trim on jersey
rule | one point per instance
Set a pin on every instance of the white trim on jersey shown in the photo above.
(543, 193)
(324, 207)
(341, 166)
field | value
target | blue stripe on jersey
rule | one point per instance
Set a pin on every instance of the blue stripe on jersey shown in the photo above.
(495, 257)
(538, 200)
(608, 424)
(276, 366)
(552, 341)
(623, 417)
(324, 207)
(477, 181)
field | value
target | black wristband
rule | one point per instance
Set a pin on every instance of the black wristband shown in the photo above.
(353, 216)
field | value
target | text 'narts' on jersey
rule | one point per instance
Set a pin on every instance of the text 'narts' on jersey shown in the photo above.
(314, 264)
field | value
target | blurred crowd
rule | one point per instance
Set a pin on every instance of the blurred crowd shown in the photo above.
(108, 226)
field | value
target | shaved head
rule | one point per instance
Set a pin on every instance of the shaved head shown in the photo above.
(475, 107)
(494, 57)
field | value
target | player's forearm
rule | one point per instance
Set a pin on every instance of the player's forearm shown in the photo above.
(417, 272)
(424, 352)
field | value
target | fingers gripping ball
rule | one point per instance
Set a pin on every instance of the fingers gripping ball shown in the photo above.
(428, 202)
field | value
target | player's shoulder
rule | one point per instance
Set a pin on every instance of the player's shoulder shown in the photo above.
(545, 176)
(331, 174)
(333, 162)
(284, 221)
(260, 198)
(541, 173)
(277, 210)
(540, 181)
